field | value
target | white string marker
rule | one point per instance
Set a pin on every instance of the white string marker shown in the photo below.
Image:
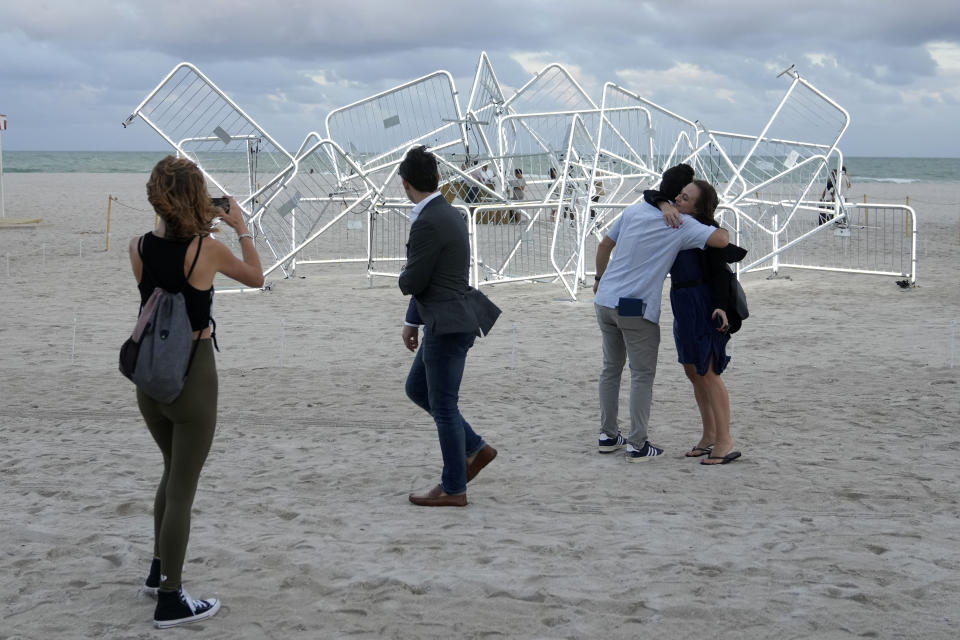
(953, 344)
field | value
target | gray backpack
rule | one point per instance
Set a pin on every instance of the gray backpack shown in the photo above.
(157, 356)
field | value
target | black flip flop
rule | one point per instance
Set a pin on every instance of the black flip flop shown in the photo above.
(730, 457)
(704, 451)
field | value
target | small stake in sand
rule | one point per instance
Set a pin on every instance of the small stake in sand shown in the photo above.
(109, 202)
(906, 221)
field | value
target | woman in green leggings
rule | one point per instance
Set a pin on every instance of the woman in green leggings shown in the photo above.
(181, 255)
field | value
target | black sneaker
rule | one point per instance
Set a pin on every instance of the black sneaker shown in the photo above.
(152, 584)
(645, 452)
(606, 444)
(177, 607)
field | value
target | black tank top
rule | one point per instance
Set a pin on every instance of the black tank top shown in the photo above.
(164, 260)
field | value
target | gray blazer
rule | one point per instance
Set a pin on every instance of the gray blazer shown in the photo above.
(436, 275)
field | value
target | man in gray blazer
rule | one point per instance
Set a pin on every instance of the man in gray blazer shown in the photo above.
(453, 314)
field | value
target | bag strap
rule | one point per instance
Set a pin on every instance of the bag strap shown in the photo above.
(195, 258)
(196, 341)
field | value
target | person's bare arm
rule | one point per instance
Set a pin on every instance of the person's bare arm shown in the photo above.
(604, 249)
(719, 239)
(670, 214)
(246, 270)
(135, 264)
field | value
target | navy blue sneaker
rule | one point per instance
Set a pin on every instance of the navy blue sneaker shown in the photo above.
(177, 607)
(607, 444)
(645, 452)
(152, 584)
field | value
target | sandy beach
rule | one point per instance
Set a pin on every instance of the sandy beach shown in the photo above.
(839, 521)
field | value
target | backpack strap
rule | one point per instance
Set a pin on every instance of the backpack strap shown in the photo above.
(195, 258)
(193, 264)
(213, 333)
(196, 341)
(143, 263)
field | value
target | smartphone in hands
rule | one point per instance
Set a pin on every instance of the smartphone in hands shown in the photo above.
(221, 203)
(718, 320)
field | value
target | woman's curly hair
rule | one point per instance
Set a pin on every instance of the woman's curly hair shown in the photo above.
(178, 193)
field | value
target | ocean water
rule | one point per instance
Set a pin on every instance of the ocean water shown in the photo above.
(903, 170)
(80, 161)
(896, 170)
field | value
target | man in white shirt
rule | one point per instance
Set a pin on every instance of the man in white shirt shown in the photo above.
(486, 176)
(633, 260)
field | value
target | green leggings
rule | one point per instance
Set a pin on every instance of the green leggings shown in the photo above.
(184, 431)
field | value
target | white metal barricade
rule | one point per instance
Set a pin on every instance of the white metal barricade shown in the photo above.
(575, 166)
(203, 124)
(377, 131)
(642, 136)
(323, 214)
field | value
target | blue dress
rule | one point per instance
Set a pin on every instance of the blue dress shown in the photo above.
(694, 331)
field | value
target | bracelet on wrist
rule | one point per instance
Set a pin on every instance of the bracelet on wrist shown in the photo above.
(596, 277)
(241, 236)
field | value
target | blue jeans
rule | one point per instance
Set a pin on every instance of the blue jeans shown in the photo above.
(434, 385)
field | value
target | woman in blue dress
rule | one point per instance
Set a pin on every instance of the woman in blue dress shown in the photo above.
(698, 296)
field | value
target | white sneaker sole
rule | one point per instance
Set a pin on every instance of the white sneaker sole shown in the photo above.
(610, 448)
(209, 613)
(630, 458)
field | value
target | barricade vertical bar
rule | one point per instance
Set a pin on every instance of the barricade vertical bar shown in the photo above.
(776, 245)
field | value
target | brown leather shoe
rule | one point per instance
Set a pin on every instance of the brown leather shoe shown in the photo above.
(482, 458)
(437, 498)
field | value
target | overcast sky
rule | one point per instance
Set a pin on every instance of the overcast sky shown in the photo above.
(71, 71)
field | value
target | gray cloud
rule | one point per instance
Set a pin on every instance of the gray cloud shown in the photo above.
(81, 67)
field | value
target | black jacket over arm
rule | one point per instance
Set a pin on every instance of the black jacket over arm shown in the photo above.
(717, 274)
(438, 261)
